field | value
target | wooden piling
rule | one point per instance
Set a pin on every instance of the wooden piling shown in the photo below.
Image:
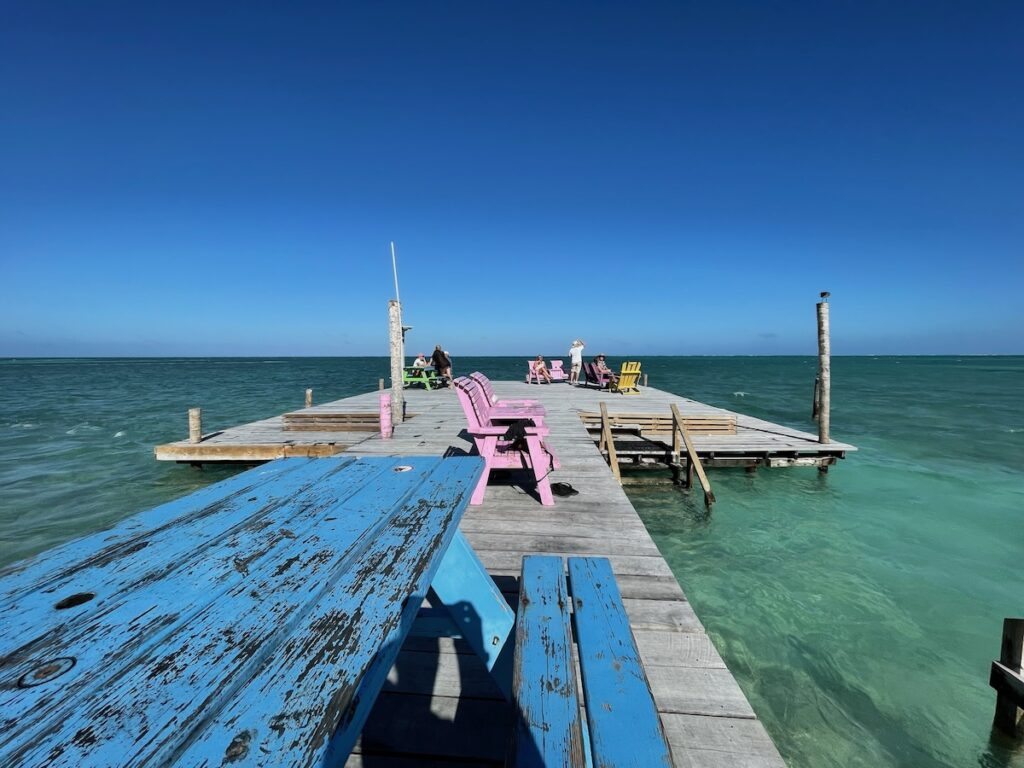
(380, 384)
(309, 398)
(397, 360)
(645, 379)
(608, 443)
(824, 369)
(195, 425)
(1008, 681)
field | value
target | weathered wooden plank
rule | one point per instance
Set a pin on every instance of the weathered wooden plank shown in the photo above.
(624, 726)
(719, 742)
(220, 536)
(549, 730)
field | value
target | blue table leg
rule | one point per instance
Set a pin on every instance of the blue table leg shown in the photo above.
(477, 608)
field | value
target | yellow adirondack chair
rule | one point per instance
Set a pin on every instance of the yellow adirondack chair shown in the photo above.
(629, 377)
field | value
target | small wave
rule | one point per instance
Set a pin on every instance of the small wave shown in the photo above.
(739, 394)
(24, 425)
(1014, 430)
(78, 428)
(120, 433)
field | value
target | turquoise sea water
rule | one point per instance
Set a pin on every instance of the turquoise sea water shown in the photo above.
(858, 610)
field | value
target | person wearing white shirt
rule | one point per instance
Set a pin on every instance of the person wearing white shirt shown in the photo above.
(575, 361)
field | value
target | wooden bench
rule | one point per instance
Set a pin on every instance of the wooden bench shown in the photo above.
(250, 623)
(622, 726)
(331, 421)
(427, 377)
(657, 424)
(487, 425)
(488, 389)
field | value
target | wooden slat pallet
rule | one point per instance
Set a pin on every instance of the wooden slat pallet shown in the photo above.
(331, 421)
(657, 424)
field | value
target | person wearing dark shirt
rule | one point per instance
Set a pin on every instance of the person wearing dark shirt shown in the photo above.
(442, 363)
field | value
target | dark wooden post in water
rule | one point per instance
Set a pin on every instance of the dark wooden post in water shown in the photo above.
(309, 398)
(195, 425)
(824, 369)
(1008, 681)
(397, 360)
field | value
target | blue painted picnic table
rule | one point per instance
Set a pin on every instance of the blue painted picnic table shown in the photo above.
(250, 623)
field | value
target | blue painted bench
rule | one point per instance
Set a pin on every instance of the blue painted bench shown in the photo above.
(622, 726)
(251, 623)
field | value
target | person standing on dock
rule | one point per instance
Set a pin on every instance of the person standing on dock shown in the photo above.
(442, 363)
(575, 361)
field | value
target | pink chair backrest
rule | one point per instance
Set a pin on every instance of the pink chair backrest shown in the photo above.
(485, 385)
(474, 402)
(556, 365)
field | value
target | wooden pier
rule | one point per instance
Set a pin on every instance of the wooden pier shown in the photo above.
(440, 706)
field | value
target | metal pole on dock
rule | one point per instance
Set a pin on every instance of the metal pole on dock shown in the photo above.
(824, 369)
(397, 360)
(195, 425)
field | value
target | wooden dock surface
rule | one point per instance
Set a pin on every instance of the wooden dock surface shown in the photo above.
(440, 706)
(268, 439)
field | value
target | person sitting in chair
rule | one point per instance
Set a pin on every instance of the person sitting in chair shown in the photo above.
(600, 366)
(420, 361)
(542, 368)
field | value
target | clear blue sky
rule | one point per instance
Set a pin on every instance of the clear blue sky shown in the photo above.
(674, 178)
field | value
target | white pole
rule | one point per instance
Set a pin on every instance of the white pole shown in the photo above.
(394, 270)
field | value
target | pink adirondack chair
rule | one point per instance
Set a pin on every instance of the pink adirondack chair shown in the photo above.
(557, 374)
(532, 377)
(499, 453)
(492, 398)
(506, 410)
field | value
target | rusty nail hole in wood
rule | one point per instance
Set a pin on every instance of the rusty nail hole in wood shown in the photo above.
(402, 468)
(76, 599)
(46, 671)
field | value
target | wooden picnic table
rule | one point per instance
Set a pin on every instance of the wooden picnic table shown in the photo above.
(250, 623)
(428, 377)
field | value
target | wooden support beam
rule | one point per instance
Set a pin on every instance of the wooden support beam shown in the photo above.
(1006, 678)
(608, 442)
(693, 460)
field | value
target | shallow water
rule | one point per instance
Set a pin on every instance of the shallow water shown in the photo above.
(859, 610)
